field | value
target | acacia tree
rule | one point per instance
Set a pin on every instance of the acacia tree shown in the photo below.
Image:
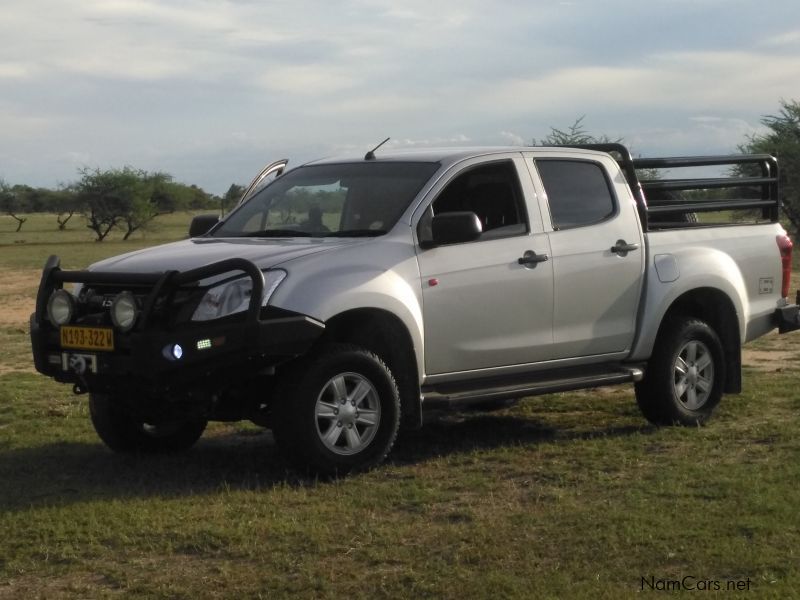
(130, 198)
(573, 135)
(65, 203)
(62, 201)
(231, 197)
(108, 197)
(13, 204)
(576, 135)
(783, 140)
(125, 198)
(155, 194)
(198, 198)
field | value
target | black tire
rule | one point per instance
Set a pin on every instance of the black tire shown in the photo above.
(123, 432)
(336, 411)
(685, 376)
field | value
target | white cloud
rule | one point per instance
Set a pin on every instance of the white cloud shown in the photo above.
(444, 14)
(696, 135)
(455, 140)
(681, 80)
(22, 126)
(14, 70)
(198, 82)
(513, 139)
(788, 38)
(367, 104)
(307, 80)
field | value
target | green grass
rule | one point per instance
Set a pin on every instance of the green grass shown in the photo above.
(567, 495)
(40, 237)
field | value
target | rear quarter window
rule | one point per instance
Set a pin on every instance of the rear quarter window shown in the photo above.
(578, 192)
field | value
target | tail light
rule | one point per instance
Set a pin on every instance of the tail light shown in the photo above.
(785, 247)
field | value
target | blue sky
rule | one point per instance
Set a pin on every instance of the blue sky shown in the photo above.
(209, 91)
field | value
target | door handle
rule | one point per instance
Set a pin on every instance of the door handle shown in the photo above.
(622, 247)
(531, 258)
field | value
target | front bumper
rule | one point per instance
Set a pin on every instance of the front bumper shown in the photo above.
(211, 352)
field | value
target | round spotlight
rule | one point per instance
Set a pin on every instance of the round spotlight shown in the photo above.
(172, 352)
(60, 307)
(124, 311)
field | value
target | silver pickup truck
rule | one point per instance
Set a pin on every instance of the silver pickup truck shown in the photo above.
(346, 297)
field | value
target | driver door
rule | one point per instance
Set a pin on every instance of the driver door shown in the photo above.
(482, 307)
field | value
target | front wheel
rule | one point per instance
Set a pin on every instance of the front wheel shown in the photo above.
(684, 379)
(123, 432)
(336, 411)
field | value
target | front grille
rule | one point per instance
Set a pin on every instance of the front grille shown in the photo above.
(95, 300)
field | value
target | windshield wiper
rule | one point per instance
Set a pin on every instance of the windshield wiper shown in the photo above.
(277, 233)
(300, 233)
(357, 233)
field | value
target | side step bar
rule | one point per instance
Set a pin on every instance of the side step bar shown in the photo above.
(464, 394)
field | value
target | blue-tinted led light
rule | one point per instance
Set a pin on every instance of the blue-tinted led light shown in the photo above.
(172, 352)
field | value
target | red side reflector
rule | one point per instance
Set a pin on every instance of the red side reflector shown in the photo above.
(785, 247)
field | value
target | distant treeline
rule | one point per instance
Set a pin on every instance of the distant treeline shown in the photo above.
(127, 199)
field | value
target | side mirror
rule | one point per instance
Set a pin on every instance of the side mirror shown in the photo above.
(202, 224)
(455, 228)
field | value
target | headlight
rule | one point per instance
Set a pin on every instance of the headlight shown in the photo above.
(234, 296)
(60, 307)
(124, 311)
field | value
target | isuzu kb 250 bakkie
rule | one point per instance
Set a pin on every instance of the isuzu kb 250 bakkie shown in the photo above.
(346, 297)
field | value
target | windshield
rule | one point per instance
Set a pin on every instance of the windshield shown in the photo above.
(350, 199)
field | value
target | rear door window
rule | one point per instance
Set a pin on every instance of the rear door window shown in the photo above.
(578, 192)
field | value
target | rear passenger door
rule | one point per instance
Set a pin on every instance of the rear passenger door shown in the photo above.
(482, 308)
(598, 254)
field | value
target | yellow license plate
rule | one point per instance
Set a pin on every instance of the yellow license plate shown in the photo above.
(87, 338)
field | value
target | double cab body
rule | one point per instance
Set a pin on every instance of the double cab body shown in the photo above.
(346, 296)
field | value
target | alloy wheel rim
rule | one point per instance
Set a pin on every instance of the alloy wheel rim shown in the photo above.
(693, 375)
(348, 413)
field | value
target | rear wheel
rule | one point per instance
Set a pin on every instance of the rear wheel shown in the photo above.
(337, 411)
(123, 432)
(685, 376)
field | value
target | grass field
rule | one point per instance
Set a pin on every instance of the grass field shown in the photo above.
(564, 496)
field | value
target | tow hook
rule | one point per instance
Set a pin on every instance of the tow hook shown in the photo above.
(78, 364)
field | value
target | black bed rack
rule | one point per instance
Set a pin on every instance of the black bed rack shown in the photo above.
(654, 197)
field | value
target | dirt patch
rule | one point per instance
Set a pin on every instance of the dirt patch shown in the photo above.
(17, 295)
(773, 352)
(4, 370)
(17, 302)
(769, 360)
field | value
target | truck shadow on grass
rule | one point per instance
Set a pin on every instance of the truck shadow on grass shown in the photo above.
(455, 434)
(65, 473)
